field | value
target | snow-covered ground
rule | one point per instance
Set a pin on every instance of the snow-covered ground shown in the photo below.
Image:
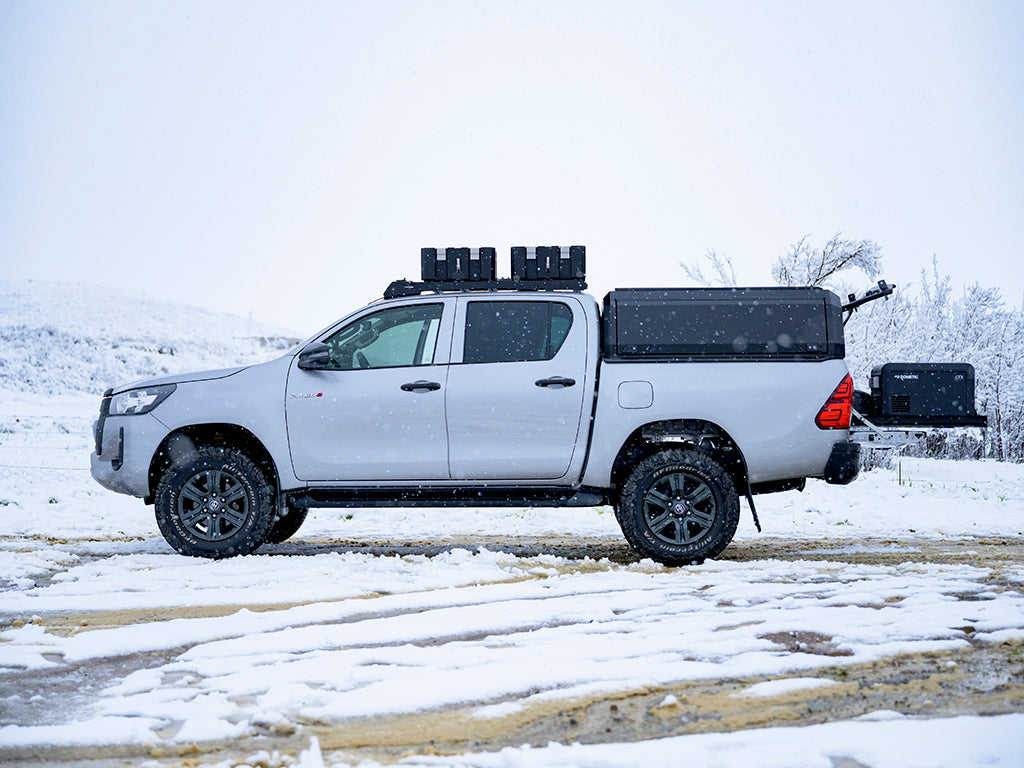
(482, 620)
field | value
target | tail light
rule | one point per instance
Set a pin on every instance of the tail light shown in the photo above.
(835, 413)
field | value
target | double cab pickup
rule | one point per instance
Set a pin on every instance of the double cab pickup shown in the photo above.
(669, 404)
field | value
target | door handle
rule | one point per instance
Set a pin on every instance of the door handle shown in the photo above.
(556, 381)
(421, 386)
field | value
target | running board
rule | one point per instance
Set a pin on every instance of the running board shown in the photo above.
(476, 496)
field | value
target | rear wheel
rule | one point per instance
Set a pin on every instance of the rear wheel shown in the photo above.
(216, 504)
(678, 507)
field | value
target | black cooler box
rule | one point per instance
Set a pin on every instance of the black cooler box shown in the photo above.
(937, 394)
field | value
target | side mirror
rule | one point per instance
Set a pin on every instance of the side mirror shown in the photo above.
(315, 357)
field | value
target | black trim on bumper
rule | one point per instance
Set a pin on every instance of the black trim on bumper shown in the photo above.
(844, 464)
(98, 426)
(118, 461)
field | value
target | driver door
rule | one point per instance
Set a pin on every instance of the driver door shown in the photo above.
(370, 406)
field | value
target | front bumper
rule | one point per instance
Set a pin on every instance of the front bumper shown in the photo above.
(843, 463)
(125, 446)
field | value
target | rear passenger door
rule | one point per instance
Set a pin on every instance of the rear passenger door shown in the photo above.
(516, 387)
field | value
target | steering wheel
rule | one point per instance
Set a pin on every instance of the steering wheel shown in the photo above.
(361, 360)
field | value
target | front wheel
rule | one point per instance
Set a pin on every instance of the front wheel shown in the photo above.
(216, 504)
(678, 507)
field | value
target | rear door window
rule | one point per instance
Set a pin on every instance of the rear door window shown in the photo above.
(514, 331)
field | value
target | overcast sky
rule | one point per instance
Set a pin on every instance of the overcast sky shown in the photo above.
(289, 159)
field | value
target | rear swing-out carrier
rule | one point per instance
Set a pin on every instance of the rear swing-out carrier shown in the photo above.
(909, 399)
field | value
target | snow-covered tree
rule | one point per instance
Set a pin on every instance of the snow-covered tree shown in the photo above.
(806, 265)
(936, 327)
(722, 272)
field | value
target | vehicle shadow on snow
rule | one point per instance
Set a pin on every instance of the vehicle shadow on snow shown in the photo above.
(881, 551)
(575, 548)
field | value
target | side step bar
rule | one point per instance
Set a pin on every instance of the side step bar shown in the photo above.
(448, 497)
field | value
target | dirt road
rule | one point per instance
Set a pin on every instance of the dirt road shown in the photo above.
(980, 678)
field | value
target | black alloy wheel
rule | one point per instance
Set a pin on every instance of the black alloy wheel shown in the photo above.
(680, 508)
(213, 505)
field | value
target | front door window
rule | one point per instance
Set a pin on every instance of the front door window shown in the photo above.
(391, 338)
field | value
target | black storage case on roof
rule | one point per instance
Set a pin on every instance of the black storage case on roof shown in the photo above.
(451, 264)
(722, 324)
(558, 268)
(936, 394)
(549, 262)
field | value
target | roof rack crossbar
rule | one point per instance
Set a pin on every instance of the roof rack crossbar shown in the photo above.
(402, 288)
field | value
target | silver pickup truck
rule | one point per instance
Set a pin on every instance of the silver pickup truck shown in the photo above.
(464, 389)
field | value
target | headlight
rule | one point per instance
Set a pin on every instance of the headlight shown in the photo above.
(136, 401)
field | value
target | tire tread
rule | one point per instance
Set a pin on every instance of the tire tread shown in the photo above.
(629, 514)
(252, 535)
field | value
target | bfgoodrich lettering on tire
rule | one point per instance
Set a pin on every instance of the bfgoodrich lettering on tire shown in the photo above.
(215, 504)
(678, 507)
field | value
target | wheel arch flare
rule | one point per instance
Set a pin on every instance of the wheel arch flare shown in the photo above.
(695, 434)
(182, 443)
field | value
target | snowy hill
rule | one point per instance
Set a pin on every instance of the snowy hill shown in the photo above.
(65, 338)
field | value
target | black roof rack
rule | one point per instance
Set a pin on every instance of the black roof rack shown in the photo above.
(400, 288)
(539, 268)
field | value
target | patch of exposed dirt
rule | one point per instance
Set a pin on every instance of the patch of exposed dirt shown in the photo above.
(806, 642)
(980, 551)
(982, 681)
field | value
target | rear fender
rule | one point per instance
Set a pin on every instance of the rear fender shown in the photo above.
(695, 434)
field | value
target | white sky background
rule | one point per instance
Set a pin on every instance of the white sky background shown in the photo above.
(291, 158)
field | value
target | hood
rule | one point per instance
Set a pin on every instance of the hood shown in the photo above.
(181, 378)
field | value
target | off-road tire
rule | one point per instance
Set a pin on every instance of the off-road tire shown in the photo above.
(216, 504)
(678, 507)
(286, 525)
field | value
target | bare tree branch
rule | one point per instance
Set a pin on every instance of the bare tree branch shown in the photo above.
(722, 271)
(804, 265)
